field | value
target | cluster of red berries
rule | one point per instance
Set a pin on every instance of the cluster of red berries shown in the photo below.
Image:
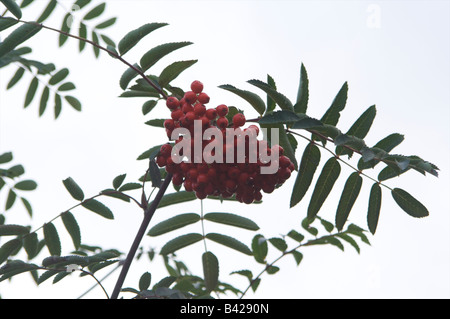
(240, 178)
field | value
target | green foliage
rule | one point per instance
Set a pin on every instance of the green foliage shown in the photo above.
(275, 110)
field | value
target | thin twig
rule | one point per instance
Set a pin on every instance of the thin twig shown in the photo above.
(148, 214)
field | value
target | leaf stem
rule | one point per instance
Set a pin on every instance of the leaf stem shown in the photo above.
(110, 52)
(148, 214)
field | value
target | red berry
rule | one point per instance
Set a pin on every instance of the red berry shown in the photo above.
(177, 114)
(222, 122)
(169, 124)
(190, 97)
(165, 150)
(202, 179)
(203, 98)
(172, 102)
(161, 161)
(255, 128)
(177, 179)
(239, 120)
(211, 114)
(186, 107)
(222, 110)
(190, 117)
(284, 161)
(280, 149)
(192, 174)
(199, 109)
(197, 87)
(233, 173)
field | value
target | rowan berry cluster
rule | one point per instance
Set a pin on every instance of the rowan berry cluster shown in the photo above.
(221, 177)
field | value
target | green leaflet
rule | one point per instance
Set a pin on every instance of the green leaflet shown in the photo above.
(280, 117)
(31, 243)
(176, 198)
(7, 22)
(360, 128)
(308, 165)
(31, 91)
(283, 102)
(51, 238)
(8, 248)
(173, 224)
(144, 281)
(128, 75)
(26, 185)
(10, 200)
(82, 32)
(349, 195)
(232, 220)
(332, 115)
(133, 37)
(106, 23)
(99, 208)
(157, 53)
(13, 230)
(409, 204)
(13, 7)
(118, 180)
(44, 99)
(65, 27)
(252, 98)
(95, 12)
(270, 102)
(259, 248)
(210, 270)
(58, 105)
(278, 243)
(6, 157)
(71, 225)
(59, 76)
(172, 71)
(303, 93)
(16, 78)
(74, 102)
(47, 11)
(325, 182)
(17, 37)
(374, 207)
(229, 242)
(180, 242)
(74, 190)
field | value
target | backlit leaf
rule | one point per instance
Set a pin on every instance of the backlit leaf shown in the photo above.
(98, 207)
(374, 207)
(252, 98)
(283, 102)
(232, 220)
(229, 242)
(95, 12)
(73, 189)
(172, 71)
(303, 92)
(71, 225)
(157, 53)
(133, 37)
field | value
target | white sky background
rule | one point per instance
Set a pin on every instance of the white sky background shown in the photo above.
(393, 54)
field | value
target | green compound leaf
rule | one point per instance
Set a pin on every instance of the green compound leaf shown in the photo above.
(308, 165)
(74, 190)
(173, 223)
(133, 37)
(171, 72)
(328, 176)
(232, 220)
(157, 53)
(17, 37)
(99, 208)
(72, 228)
(409, 204)
(210, 270)
(229, 242)
(252, 98)
(374, 207)
(180, 242)
(52, 240)
(349, 195)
